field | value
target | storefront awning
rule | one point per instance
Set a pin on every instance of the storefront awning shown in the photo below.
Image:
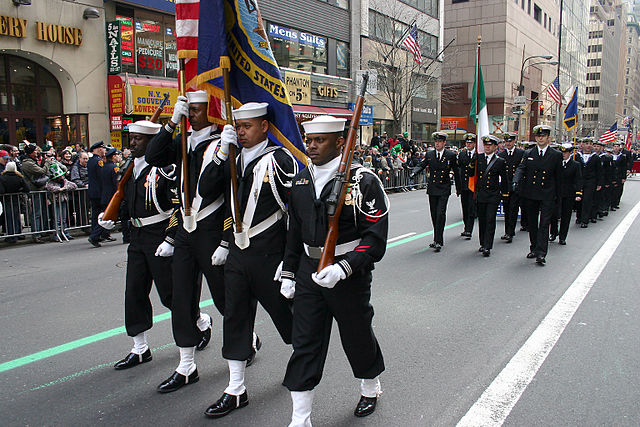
(309, 112)
(145, 81)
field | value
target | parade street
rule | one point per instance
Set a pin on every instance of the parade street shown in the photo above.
(454, 328)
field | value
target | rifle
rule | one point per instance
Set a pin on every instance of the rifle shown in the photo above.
(111, 212)
(335, 202)
(189, 221)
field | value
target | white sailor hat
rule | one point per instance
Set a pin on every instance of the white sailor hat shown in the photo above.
(540, 129)
(490, 139)
(144, 127)
(251, 110)
(324, 124)
(198, 96)
(567, 146)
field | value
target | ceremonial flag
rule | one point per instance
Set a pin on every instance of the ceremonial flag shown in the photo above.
(187, 21)
(571, 112)
(610, 135)
(411, 43)
(629, 135)
(479, 114)
(234, 28)
(554, 90)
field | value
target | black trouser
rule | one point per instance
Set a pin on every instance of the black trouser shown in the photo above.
(143, 268)
(468, 209)
(563, 211)
(589, 206)
(487, 223)
(96, 231)
(314, 309)
(249, 279)
(438, 208)
(538, 218)
(617, 195)
(510, 207)
(523, 214)
(605, 198)
(192, 258)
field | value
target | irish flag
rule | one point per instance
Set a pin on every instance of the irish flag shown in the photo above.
(479, 109)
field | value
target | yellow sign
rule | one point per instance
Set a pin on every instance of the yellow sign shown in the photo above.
(147, 99)
(327, 91)
(52, 33)
(13, 27)
(299, 87)
(116, 139)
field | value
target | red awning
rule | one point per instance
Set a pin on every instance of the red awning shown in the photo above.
(146, 81)
(309, 112)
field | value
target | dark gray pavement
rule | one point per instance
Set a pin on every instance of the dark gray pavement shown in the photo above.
(447, 323)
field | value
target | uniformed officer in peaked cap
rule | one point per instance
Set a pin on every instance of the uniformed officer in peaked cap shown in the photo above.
(149, 199)
(342, 290)
(538, 179)
(493, 183)
(620, 162)
(511, 203)
(440, 162)
(466, 162)
(252, 258)
(94, 192)
(592, 181)
(199, 234)
(570, 192)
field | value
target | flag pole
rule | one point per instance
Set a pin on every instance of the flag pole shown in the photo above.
(189, 221)
(478, 141)
(225, 64)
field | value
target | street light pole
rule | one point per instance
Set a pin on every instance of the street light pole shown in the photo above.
(521, 85)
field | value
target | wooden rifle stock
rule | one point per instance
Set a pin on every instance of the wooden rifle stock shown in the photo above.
(112, 209)
(184, 151)
(225, 64)
(335, 202)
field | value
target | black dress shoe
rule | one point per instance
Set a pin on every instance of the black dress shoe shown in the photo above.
(562, 242)
(206, 336)
(552, 237)
(176, 381)
(531, 255)
(504, 237)
(133, 359)
(226, 404)
(437, 247)
(366, 406)
(256, 347)
(594, 221)
(540, 260)
(523, 228)
(509, 239)
(432, 244)
(109, 239)
(95, 243)
(584, 225)
(486, 252)
(605, 213)
(481, 249)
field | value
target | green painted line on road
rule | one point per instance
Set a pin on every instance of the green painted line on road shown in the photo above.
(72, 345)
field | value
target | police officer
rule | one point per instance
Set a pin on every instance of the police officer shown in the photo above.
(149, 198)
(511, 202)
(570, 192)
(440, 162)
(493, 182)
(199, 234)
(251, 258)
(538, 179)
(592, 180)
(342, 290)
(94, 192)
(466, 163)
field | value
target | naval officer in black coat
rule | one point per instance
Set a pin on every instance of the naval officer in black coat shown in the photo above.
(511, 202)
(466, 163)
(570, 192)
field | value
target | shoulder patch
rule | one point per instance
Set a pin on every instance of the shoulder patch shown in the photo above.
(302, 181)
(100, 163)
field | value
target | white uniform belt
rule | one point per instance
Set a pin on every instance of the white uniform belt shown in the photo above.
(154, 219)
(341, 249)
(210, 208)
(265, 224)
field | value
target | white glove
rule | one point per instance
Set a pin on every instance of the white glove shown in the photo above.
(227, 137)
(107, 225)
(165, 249)
(219, 256)
(180, 109)
(278, 275)
(329, 276)
(288, 288)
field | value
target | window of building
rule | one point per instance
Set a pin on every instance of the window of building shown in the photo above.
(387, 30)
(545, 21)
(522, 4)
(529, 7)
(593, 76)
(429, 7)
(342, 59)
(549, 24)
(298, 50)
(537, 13)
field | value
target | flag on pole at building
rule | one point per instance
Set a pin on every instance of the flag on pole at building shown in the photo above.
(411, 43)
(571, 112)
(629, 135)
(554, 90)
(187, 21)
(234, 28)
(610, 135)
(479, 114)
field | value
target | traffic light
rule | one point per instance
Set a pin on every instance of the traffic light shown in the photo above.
(541, 109)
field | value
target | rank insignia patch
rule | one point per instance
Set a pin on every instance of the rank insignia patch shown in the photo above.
(302, 181)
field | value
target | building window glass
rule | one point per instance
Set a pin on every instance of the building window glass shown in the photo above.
(537, 13)
(149, 46)
(298, 50)
(342, 59)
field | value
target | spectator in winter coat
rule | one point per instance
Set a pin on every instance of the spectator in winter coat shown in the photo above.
(79, 175)
(11, 184)
(61, 187)
(36, 177)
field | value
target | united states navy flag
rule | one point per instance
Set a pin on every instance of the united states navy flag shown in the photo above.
(234, 28)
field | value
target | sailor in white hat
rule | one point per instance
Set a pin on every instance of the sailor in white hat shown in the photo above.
(200, 233)
(342, 290)
(254, 256)
(149, 197)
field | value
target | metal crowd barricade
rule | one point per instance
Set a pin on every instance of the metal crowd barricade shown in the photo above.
(39, 212)
(399, 179)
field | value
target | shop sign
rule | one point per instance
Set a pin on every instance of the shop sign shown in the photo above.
(52, 33)
(329, 92)
(453, 123)
(424, 111)
(126, 40)
(116, 123)
(296, 36)
(168, 6)
(366, 116)
(299, 87)
(114, 58)
(150, 48)
(116, 96)
(145, 99)
(116, 140)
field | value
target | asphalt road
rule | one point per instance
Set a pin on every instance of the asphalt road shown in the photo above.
(448, 324)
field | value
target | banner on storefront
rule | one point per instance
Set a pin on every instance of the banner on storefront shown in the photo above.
(453, 123)
(114, 57)
(145, 99)
(299, 87)
(366, 116)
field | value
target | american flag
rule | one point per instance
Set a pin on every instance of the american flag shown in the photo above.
(411, 43)
(554, 90)
(610, 135)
